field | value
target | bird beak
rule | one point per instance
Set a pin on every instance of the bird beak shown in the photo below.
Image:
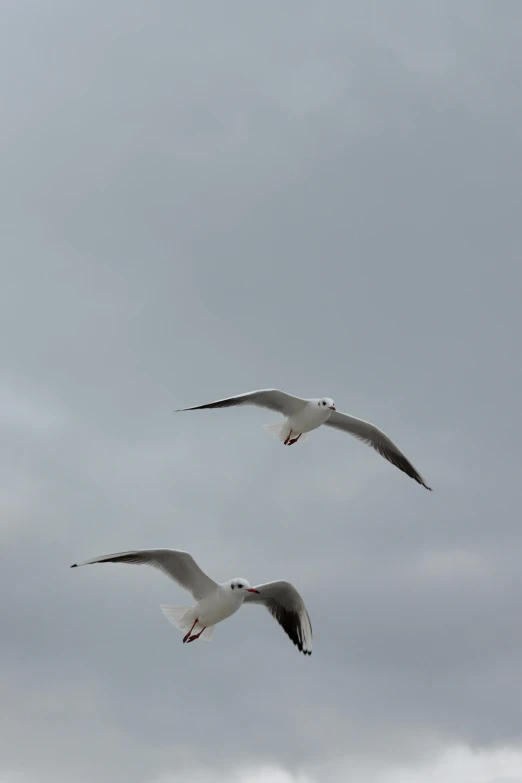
(252, 590)
(332, 407)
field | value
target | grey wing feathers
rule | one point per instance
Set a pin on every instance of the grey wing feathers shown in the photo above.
(373, 436)
(273, 399)
(180, 566)
(286, 606)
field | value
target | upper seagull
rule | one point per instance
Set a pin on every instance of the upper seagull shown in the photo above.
(302, 416)
(215, 602)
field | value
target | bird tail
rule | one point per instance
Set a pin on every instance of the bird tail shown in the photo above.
(277, 429)
(179, 616)
(206, 636)
(182, 617)
(281, 430)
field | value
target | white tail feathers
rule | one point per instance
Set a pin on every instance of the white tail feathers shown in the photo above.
(177, 616)
(206, 636)
(277, 430)
(281, 431)
(183, 618)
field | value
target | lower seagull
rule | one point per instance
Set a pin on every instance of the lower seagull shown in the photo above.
(215, 602)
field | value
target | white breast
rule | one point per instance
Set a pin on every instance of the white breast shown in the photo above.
(309, 418)
(221, 604)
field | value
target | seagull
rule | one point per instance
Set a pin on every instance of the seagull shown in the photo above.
(303, 416)
(215, 602)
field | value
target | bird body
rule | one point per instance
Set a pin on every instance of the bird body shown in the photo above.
(307, 418)
(218, 605)
(310, 417)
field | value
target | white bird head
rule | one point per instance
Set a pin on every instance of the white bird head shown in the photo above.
(326, 402)
(242, 586)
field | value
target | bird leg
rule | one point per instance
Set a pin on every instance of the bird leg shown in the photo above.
(196, 636)
(187, 635)
(294, 440)
(287, 441)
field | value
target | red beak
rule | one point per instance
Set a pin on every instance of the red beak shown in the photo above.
(332, 407)
(252, 590)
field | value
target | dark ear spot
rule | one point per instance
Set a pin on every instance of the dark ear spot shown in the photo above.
(232, 586)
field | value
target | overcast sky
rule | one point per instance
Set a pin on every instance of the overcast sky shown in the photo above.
(199, 199)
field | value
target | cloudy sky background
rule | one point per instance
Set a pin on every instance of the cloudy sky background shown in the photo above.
(202, 199)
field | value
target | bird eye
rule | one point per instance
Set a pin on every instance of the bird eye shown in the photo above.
(240, 586)
(324, 402)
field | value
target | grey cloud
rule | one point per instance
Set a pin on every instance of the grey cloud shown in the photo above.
(199, 201)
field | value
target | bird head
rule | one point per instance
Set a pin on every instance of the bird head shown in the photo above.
(242, 586)
(327, 403)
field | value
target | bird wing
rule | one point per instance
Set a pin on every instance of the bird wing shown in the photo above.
(286, 605)
(373, 436)
(273, 399)
(180, 566)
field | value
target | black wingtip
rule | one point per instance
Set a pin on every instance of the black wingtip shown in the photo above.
(74, 565)
(421, 481)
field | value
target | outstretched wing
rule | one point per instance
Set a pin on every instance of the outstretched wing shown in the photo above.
(286, 605)
(373, 436)
(180, 566)
(273, 399)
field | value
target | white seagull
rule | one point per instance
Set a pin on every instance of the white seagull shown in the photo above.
(215, 602)
(302, 416)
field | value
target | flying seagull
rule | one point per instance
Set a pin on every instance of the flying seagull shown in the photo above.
(302, 416)
(215, 602)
